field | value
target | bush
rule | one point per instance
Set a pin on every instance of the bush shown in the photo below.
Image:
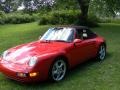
(110, 20)
(1, 21)
(19, 18)
(2, 16)
(16, 18)
(67, 17)
(59, 17)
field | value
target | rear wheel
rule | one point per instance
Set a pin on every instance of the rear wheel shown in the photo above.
(101, 52)
(58, 70)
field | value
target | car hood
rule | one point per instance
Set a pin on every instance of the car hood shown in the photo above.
(23, 53)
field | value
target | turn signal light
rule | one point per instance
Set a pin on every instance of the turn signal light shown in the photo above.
(33, 74)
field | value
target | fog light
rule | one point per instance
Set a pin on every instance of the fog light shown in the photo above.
(21, 74)
(33, 74)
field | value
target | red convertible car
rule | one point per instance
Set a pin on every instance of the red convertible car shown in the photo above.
(58, 50)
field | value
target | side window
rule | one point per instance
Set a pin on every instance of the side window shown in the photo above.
(82, 34)
(78, 33)
(90, 34)
(85, 34)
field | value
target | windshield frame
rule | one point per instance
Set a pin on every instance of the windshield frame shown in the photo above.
(70, 37)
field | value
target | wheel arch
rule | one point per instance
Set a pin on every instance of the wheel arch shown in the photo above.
(65, 59)
(102, 43)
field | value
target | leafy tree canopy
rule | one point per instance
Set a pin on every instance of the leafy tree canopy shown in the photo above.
(99, 7)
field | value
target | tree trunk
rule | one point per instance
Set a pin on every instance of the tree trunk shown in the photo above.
(84, 6)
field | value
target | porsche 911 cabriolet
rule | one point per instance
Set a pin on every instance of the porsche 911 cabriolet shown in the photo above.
(50, 57)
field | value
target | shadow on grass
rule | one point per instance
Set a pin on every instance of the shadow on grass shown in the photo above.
(78, 69)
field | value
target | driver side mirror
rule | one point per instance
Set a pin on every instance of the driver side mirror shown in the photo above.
(77, 41)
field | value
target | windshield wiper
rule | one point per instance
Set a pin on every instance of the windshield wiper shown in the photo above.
(60, 40)
(46, 41)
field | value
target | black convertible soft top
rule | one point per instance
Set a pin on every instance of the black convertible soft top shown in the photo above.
(76, 27)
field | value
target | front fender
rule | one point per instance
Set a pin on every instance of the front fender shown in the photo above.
(44, 63)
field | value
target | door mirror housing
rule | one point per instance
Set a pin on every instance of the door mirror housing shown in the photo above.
(77, 41)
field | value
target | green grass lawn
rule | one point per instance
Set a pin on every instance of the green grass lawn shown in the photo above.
(91, 75)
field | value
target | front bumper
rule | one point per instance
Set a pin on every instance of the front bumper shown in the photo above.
(21, 76)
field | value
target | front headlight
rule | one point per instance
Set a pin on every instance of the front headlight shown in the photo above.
(32, 61)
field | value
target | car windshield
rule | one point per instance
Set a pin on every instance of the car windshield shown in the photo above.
(59, 34)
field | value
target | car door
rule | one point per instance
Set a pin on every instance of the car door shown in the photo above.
(85, 49)
(90, 43)
(88, 47)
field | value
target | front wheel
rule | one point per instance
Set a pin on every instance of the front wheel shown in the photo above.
(58, 70)
(101, 52)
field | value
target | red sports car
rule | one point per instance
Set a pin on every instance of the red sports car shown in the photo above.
(58, 50)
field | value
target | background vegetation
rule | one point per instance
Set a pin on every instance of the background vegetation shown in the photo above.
(78, 12)
(16, 18)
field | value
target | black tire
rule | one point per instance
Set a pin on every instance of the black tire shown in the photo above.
(101, 54)
(57, 74)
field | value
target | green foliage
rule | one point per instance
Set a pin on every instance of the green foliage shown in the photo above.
(104, 8)
(59, 17)
(9, 5)
(16, 18)
(1, 20)
(2, 16)
(66, 5)
(67, 17)
(110, 20)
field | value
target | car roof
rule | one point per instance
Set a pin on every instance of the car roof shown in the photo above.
(76, 27)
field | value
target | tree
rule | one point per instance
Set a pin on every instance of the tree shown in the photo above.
(105, 7)
(30, 5)
(66, 5)
(108, 7)
(8, 5)
(84, 6)
(34, 5)
(113, 6)
(101, 7)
